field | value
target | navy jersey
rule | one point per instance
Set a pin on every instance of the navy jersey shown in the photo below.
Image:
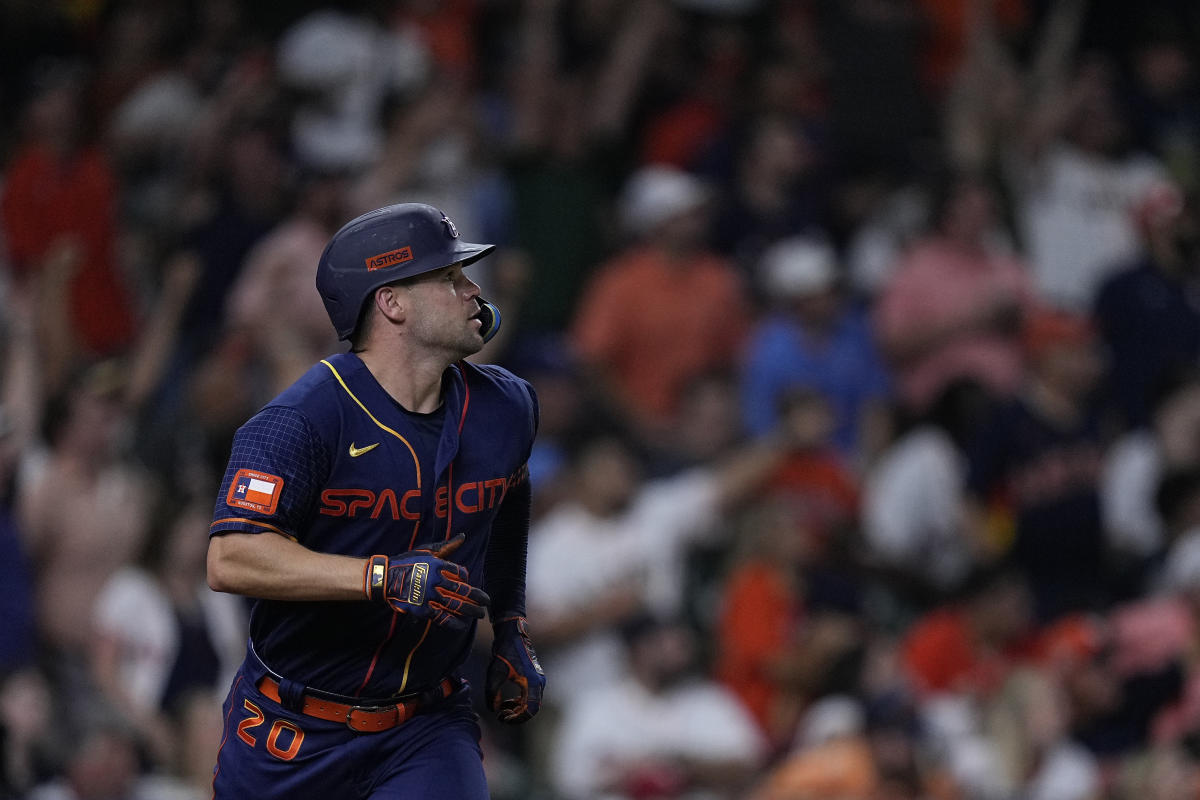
(337, 465)
(1047, 477)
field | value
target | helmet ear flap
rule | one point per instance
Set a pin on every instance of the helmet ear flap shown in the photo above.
(489, 315)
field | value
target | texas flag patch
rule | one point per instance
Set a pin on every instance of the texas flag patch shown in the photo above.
(256, 491)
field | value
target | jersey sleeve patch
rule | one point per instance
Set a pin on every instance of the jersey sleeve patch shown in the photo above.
(255, 491)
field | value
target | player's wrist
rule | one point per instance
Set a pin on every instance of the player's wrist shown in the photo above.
(375, 571)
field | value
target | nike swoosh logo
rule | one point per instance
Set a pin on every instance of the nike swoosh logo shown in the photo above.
(355, 452)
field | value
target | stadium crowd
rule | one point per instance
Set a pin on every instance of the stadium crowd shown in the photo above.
(866, 335)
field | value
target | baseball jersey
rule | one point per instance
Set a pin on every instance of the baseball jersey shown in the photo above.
(336, 464)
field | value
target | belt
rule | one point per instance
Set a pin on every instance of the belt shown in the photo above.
(365, 719)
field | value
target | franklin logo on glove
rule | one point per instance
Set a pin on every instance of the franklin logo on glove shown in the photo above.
(416, 589)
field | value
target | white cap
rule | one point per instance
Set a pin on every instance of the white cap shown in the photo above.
(798, 267)
(657, 194)
(832, 717)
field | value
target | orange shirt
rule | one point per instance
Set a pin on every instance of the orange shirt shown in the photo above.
(758, 621)
(942, 654)
(653, 325)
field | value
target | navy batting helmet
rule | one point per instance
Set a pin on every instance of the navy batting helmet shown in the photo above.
(382, 246)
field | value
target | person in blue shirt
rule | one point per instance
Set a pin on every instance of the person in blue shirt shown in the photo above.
(375, 511)
(813, 340)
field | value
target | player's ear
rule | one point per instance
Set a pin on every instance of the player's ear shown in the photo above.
(391, 302)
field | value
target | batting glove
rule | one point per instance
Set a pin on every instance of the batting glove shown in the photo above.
(514, 679)
(422, 583)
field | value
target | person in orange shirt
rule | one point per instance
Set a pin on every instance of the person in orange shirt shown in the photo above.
(666, 309)
(772, 650)
(972, 646)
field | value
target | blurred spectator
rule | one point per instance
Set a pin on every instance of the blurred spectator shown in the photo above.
(104, 766)
(664, 310)
(832, 758)
(914, 514)
(954, 305)
(616, 546)
(160, 634)
(814, 340)
(1137, 462)
(659, 731)
(58, 212)
(844, 750)
(85, 514)
(893, 217)
(777, 189)
(708, 425)
(242, 204)
(1148, 314)
(563, 405)
(574, 81)
(199, 726)
(1029, 726)
(773, 651)
(813, 473)
(345, 63)
(972, 646)
(951, 25)
(26, 731)
(1164, 98)
(1035, 469)
(1076, 184)
(278, 272)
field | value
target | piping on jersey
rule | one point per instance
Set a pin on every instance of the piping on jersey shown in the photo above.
(449, 515)
(271, 528)
(375, 658)
(413, 453)
(417, 467)
(413, 652)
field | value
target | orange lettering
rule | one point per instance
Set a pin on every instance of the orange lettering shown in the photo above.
(387, 495)
(411, 494)
(253, 721)
(492, 486)
(458, 498)
(293, 747)
(441, 502)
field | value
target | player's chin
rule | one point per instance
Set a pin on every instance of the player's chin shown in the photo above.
(470, 344)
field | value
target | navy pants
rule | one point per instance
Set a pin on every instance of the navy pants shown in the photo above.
(269, 752)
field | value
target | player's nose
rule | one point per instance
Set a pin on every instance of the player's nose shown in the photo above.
(470, 289)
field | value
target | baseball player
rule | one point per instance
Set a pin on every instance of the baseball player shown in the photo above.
(375, 511)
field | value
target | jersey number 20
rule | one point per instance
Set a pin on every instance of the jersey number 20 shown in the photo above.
(257, 718)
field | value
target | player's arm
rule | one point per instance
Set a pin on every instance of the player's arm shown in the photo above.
(273, 567)
(515, 679)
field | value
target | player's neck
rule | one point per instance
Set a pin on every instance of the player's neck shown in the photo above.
(416, 384)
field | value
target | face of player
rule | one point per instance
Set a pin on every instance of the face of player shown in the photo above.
(444, 314)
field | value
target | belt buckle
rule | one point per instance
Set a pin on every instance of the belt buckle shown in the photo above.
(365, 728)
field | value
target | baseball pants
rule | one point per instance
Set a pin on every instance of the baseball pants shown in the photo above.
(270, 753)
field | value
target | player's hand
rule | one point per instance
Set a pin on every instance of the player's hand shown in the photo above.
(514, 679)
(424, 584)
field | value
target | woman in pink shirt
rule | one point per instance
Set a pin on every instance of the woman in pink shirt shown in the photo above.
(954, 305)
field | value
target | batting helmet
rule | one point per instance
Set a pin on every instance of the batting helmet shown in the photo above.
(382, 246)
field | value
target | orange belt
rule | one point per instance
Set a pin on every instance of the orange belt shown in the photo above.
(365, 719)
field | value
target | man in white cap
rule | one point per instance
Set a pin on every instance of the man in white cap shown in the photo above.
(813, 340)
(666, 310)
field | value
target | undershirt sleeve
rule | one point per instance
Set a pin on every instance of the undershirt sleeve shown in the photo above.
(504, 565)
